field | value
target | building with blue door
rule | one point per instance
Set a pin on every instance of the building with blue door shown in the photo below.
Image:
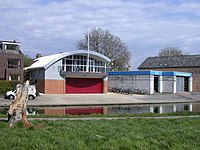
(152, 81)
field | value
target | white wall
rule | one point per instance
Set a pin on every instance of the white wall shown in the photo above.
(132, 81)
(53, 72)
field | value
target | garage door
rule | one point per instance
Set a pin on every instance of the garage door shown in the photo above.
(83, 85)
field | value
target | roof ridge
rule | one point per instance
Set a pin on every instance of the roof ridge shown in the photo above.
(171, 62)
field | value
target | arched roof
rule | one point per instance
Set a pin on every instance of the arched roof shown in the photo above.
(46, 61)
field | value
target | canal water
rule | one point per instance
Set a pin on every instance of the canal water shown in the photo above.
(113, 109)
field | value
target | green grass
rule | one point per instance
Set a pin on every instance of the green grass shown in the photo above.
(125, 134)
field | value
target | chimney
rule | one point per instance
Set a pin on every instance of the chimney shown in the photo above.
(38, 55)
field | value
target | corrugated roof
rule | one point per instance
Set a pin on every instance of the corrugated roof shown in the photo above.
(171, 62)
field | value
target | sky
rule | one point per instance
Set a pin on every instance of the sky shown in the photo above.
(145, 26)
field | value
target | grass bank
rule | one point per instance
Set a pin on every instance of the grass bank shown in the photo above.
(125, 134)
(185, 113)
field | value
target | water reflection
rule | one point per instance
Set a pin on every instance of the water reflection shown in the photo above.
(126, 109)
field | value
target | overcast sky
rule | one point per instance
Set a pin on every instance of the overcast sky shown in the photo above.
(145, 26)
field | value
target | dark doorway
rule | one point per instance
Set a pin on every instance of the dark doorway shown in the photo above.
(186, 84)
(156, 83)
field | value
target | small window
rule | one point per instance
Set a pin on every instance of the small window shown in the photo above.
(63, 61)
(68, 68)
(14, 77)
(69, 62)
(14, 63)
(11, 47)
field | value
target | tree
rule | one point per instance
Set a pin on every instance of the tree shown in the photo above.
(27, 61)
(103, 42)
(170, 51)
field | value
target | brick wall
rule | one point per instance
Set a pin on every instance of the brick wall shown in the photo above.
(195, 74)
(49, 111)
(105, 86)
(5, 71)
(40, 85)
(54, 86)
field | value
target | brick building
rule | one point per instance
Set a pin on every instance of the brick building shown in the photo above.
(70, 72)
(11, 61)
(184, 63)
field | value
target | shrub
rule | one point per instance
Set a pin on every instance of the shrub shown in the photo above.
(7, 85)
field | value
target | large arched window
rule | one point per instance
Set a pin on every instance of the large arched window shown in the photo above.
(78, 63)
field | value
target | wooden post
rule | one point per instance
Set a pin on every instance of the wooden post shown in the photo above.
(17, 109)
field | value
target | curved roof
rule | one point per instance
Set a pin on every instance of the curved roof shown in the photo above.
(46, 61)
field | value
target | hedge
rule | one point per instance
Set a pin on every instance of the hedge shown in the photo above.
(7, 85)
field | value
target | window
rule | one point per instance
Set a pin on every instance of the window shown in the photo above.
(11, 47)
(14, 77)
(78, 63)
(14, 63)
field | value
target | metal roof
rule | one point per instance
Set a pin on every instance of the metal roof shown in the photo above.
(46, 61)
(171, 62)
(151, 72)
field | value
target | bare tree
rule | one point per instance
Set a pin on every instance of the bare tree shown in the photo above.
(102, 41)
(170, 51)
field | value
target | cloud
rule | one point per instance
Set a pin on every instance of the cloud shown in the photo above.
(145, 26)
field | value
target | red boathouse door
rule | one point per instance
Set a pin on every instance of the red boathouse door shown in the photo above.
(84, 85)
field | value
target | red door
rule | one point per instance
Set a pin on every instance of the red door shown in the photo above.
(83, 85)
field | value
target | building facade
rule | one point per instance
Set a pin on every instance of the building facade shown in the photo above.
(184, 63)
(72, 72)
(151, 81)
(11, 61)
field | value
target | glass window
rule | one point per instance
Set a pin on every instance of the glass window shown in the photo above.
(69, 68)
(78, 63)
(14, 63)
(69, 62)
(63, 61)
(11, 47)
(14, 77)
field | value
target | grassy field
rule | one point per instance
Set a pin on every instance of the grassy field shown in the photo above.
(126, 134)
